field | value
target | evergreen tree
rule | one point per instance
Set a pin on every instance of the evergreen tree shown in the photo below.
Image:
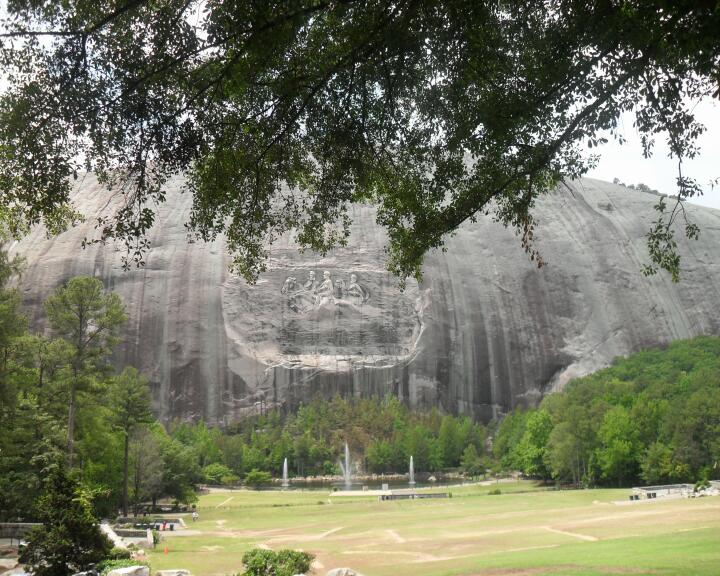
(450, 441)
(70, 539)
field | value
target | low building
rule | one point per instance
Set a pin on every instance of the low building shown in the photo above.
(668, 490)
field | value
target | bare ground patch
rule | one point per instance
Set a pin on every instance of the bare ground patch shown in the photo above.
(558, 569)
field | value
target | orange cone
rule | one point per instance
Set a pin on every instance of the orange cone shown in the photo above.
(165, 549)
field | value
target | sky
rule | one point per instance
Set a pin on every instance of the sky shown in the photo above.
(627, 163)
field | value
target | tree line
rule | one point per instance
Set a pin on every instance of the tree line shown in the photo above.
(381, 434)
(651, 418)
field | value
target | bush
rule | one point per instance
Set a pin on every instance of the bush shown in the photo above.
(219, 474)
(259, 562)
(256, 478)
(119, 554)
(495, 492)
(156, 537)
(106, 565)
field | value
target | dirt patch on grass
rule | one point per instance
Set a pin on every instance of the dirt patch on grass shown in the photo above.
(560, 569)
(515, 571)
(577, 535)
(414, 557)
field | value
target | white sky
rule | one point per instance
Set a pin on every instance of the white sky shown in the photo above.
(627, 163)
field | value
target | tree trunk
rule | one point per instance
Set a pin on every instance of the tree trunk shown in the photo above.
(71, 423)
(125, 475)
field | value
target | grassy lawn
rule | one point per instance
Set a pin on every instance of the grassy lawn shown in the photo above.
(523, 531)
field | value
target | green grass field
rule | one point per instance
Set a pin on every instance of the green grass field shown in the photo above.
(520, 532)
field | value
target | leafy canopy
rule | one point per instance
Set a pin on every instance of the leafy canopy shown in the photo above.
(283, 114)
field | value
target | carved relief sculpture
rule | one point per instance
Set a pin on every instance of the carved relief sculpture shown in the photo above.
(325, 292)
(355, 293)
(311, 295)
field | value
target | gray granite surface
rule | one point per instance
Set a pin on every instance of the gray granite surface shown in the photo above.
(483, 332)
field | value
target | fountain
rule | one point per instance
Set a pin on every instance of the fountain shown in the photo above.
(285, 481)
(347, 474)
(412, 472)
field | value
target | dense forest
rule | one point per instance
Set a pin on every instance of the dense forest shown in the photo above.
(62, 404)
(653, 417)
(650, 418)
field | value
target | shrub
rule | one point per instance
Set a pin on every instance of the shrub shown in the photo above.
(259, 562)
(217, 473)
(119, 553)
(69, 539)
(495, 492)
(106, 565)
(256, 478)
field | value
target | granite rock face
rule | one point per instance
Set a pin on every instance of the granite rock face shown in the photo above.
(485, 330)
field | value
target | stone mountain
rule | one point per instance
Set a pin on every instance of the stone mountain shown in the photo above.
(483, 332)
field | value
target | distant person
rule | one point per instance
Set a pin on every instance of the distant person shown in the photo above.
(195, 516)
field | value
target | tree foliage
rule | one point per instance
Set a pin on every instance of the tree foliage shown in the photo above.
(70, 539)
(130, 403)
(471, 462)
(88, 320)
(113, 435)
(653, 417)
(147, 467)
(259, 562)
(256, 478)
(283, 114)
(532, 451)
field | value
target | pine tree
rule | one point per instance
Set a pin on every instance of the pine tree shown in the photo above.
(88, 318)
(70, 539)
